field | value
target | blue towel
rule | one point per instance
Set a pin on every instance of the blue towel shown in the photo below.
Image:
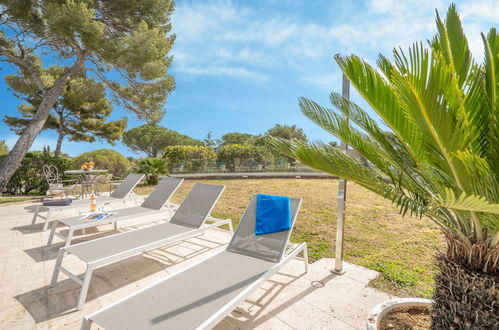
(57, 202)
(272, 214)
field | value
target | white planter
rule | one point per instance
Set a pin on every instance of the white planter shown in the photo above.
(380, 310)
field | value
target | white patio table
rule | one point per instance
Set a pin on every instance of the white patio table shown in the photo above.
(87, 178)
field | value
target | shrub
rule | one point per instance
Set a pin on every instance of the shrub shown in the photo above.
(107, 159)
(235, 154)
(153, 139)
(194, 158)
(29, 175)
(152, 168)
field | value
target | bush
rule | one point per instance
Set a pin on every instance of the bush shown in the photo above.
(152, 168)
(29, 175)
(194, 158)
(237, 154)
(107, 159)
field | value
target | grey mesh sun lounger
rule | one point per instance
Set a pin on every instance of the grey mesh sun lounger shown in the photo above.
(119, 195)
(202, 295)
(187, 221)
(152, 205)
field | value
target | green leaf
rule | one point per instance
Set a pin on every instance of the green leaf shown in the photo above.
(465, 202)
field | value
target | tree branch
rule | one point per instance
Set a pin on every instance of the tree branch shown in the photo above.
(23, 63)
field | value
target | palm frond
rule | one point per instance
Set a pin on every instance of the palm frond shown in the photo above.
(452, 43)
(465, 202)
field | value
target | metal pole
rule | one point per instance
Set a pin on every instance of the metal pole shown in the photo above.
(342, 198)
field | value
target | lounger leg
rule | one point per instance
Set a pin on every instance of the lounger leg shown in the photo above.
(46, 220)
(85, 324)
(84, 287)
(52, 233)
(37, 209)
(58, 263)
(231, 228)
(305, 257)
(115, 225)
(69, 237)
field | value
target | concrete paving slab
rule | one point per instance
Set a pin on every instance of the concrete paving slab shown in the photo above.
(289, 300)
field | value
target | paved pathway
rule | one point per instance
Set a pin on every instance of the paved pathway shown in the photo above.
(287, 301)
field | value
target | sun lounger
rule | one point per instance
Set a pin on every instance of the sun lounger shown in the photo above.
(202, 295)
(151, 206)
(119, 195)
(187, 221)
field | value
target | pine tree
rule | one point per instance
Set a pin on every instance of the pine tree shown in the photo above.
(122, 44)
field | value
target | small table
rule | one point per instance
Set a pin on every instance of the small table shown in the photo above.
(87, 178)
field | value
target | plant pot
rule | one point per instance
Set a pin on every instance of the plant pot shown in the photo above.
(380, 310)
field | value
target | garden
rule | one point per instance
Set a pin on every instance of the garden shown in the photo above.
(421, 159)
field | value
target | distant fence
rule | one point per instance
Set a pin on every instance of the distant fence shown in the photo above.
(256, 168)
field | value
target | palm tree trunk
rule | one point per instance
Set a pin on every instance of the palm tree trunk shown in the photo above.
(466, 294)
(25, 141)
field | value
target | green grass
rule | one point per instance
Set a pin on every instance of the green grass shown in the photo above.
(376, 236)
(4, 200)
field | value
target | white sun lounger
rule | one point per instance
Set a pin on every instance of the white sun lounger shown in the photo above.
(202, 295)
(151, 206)
(119, 195)
(187, 221)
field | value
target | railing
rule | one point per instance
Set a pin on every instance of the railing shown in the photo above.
(286, 167)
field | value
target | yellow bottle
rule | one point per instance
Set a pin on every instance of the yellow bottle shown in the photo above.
(93, 203)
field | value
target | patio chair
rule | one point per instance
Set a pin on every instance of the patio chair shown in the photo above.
(151, 206)
(119, 195)
(57, 186)
(187, 221)
(200, 296)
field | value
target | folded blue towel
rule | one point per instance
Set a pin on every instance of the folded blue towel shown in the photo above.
(57, 202)
(272, 214)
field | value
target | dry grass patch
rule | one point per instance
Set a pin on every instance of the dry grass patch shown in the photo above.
(376, 236)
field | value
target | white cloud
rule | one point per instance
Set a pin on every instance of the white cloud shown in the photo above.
(324, 81)
(223, 71)
(223, 38)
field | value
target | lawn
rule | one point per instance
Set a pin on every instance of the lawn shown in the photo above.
(5, 200)
(376, 236)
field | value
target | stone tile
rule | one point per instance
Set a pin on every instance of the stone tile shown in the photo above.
(286, 301)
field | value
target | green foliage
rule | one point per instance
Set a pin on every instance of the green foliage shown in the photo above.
(194, 158)
(395, 272)
(287, 132)
(125, 44)
(152, 139)
(79, 113)
(107, 159)
(152, 168)
(209, 141)
(441, 155)
(234, 138)
(29, 178)
(3, 148)
(236, 154)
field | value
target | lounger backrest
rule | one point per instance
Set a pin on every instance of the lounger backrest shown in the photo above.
(197, 206)
(127, 185)
(162, 193)
(269, 247)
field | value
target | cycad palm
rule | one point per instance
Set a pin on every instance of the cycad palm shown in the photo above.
(440, 157)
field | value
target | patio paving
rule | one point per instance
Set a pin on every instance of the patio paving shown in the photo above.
(287, 301)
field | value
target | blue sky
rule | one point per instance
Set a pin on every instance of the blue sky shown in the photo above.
(241, 65)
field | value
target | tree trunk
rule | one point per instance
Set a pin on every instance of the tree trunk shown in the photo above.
(57, 151)
(466, 292)
(13, 159)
